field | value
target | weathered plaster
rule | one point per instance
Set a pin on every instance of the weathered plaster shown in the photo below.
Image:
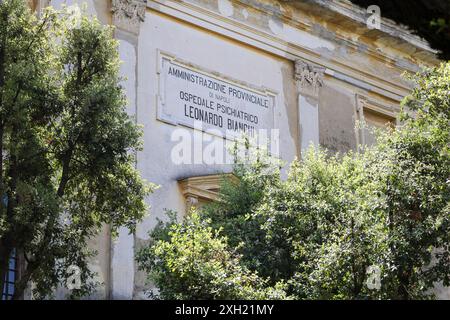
(225, 7)
(292, 114)
(257, 42)
(97, 8)
(122, 265)
(128, 17)
(336, 118)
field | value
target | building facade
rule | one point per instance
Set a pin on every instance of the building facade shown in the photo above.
(304, 71)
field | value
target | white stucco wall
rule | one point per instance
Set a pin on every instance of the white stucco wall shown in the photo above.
(213, 53)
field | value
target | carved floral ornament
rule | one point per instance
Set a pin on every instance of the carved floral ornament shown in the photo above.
(309, 77)
(128, 14)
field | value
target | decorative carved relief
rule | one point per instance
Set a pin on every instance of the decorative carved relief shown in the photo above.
(309, 78)
(128, 14)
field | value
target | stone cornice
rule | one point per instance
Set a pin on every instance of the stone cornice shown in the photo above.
(204, 187)
(210, 20)
(352, 13)
(389, 27)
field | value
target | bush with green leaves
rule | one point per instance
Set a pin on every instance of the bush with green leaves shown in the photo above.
(191, 260)
(372, 225)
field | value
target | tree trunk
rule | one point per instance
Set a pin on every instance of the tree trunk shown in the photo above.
(403, 277)
(65, 172)
(2, 83)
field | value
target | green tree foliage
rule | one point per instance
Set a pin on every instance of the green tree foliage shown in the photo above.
(417, 186)
(67, 145)
(191, 260)
(322, 229)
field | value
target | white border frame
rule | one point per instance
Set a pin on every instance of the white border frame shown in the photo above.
(161, 99)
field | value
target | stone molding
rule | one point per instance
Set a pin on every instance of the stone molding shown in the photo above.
(202, 189)
(128, 14)
(309, 78)
(342, 70)
(365, 103)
